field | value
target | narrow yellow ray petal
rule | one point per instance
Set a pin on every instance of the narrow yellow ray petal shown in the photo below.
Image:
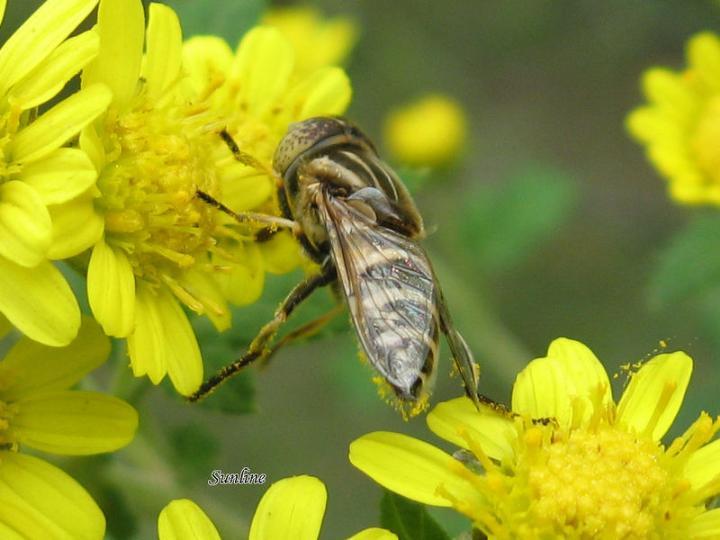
(203, 286)
(291, 508)
(703, 465)
(51, 75)
(655, 393)
(31, 368)
(412, 468)
(281, 253)
(58, 506)
(38, 36)
(111, 290)
(164, 50)
(25, 226)
(121, 26)
(264, 62)
(59, 124)
(456, 419)
(325, 92)
(76, 227)
(60, 176)
(3, 4)
(184, 363)
(706, 525)
(75, 423)
(39, 302)
(182, 519)
(146, 344)
(541, 391)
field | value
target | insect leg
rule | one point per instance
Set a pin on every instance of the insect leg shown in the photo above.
(258, 348)
(306, 330)
(464, 361)
(250, 217)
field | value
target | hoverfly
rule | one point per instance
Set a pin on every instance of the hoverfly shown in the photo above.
(353, 216)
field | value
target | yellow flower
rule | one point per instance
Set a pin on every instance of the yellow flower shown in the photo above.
(592, 469)
(291, 508)
(430, 131)
(318, 42)
(680, 126)
(157, 145)
(38, 500)
(40, 181)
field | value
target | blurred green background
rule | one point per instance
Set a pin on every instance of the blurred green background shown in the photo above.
(552, 224)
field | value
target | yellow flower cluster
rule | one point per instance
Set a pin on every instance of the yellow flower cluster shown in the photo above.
(572, 463)
(680, 126)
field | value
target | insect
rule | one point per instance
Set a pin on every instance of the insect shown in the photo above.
(355, 218)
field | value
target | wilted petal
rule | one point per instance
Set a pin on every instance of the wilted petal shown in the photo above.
(182, 519)
(39, 302)
(291, 508)
(40, 501)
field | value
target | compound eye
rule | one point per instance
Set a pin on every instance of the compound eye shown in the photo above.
(303, 136)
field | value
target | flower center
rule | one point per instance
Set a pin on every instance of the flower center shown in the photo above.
(705, 142)
(157, 164)
(603, 483)
(10, 123)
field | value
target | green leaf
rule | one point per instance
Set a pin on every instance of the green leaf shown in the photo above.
(503, 225)
(229, 20)
(408, 519)
(690, 265)
(195, 450)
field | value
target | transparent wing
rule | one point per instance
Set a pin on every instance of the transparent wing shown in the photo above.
(391, 294)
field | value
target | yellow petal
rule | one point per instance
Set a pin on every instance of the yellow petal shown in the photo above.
(540, 391)
(655, 393)
(164, 342)
(412, 468)
(204, 288)
(704, 57)
(205, 59)
(25, 227)
(243, 283)
(92, 145)
(39, 302)
(38, 36)
(182, 519)
(374, 534)
(281, 253)
(587, 382)
(703, 465)
(30, 368)
(164, 50)
(75, 423)
(291, 508)
(121, 26)
(326, 92)
(244, 191)
(494, 433)
(263, 65)
(669, 91)
(3, 4)
(111, 290)
(706, 525)
(60, 176)
(40, 501)
(51, 75)
(64, 121)
(76, 227)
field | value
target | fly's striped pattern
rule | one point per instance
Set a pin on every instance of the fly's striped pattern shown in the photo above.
(354, 217)
(355, 211)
